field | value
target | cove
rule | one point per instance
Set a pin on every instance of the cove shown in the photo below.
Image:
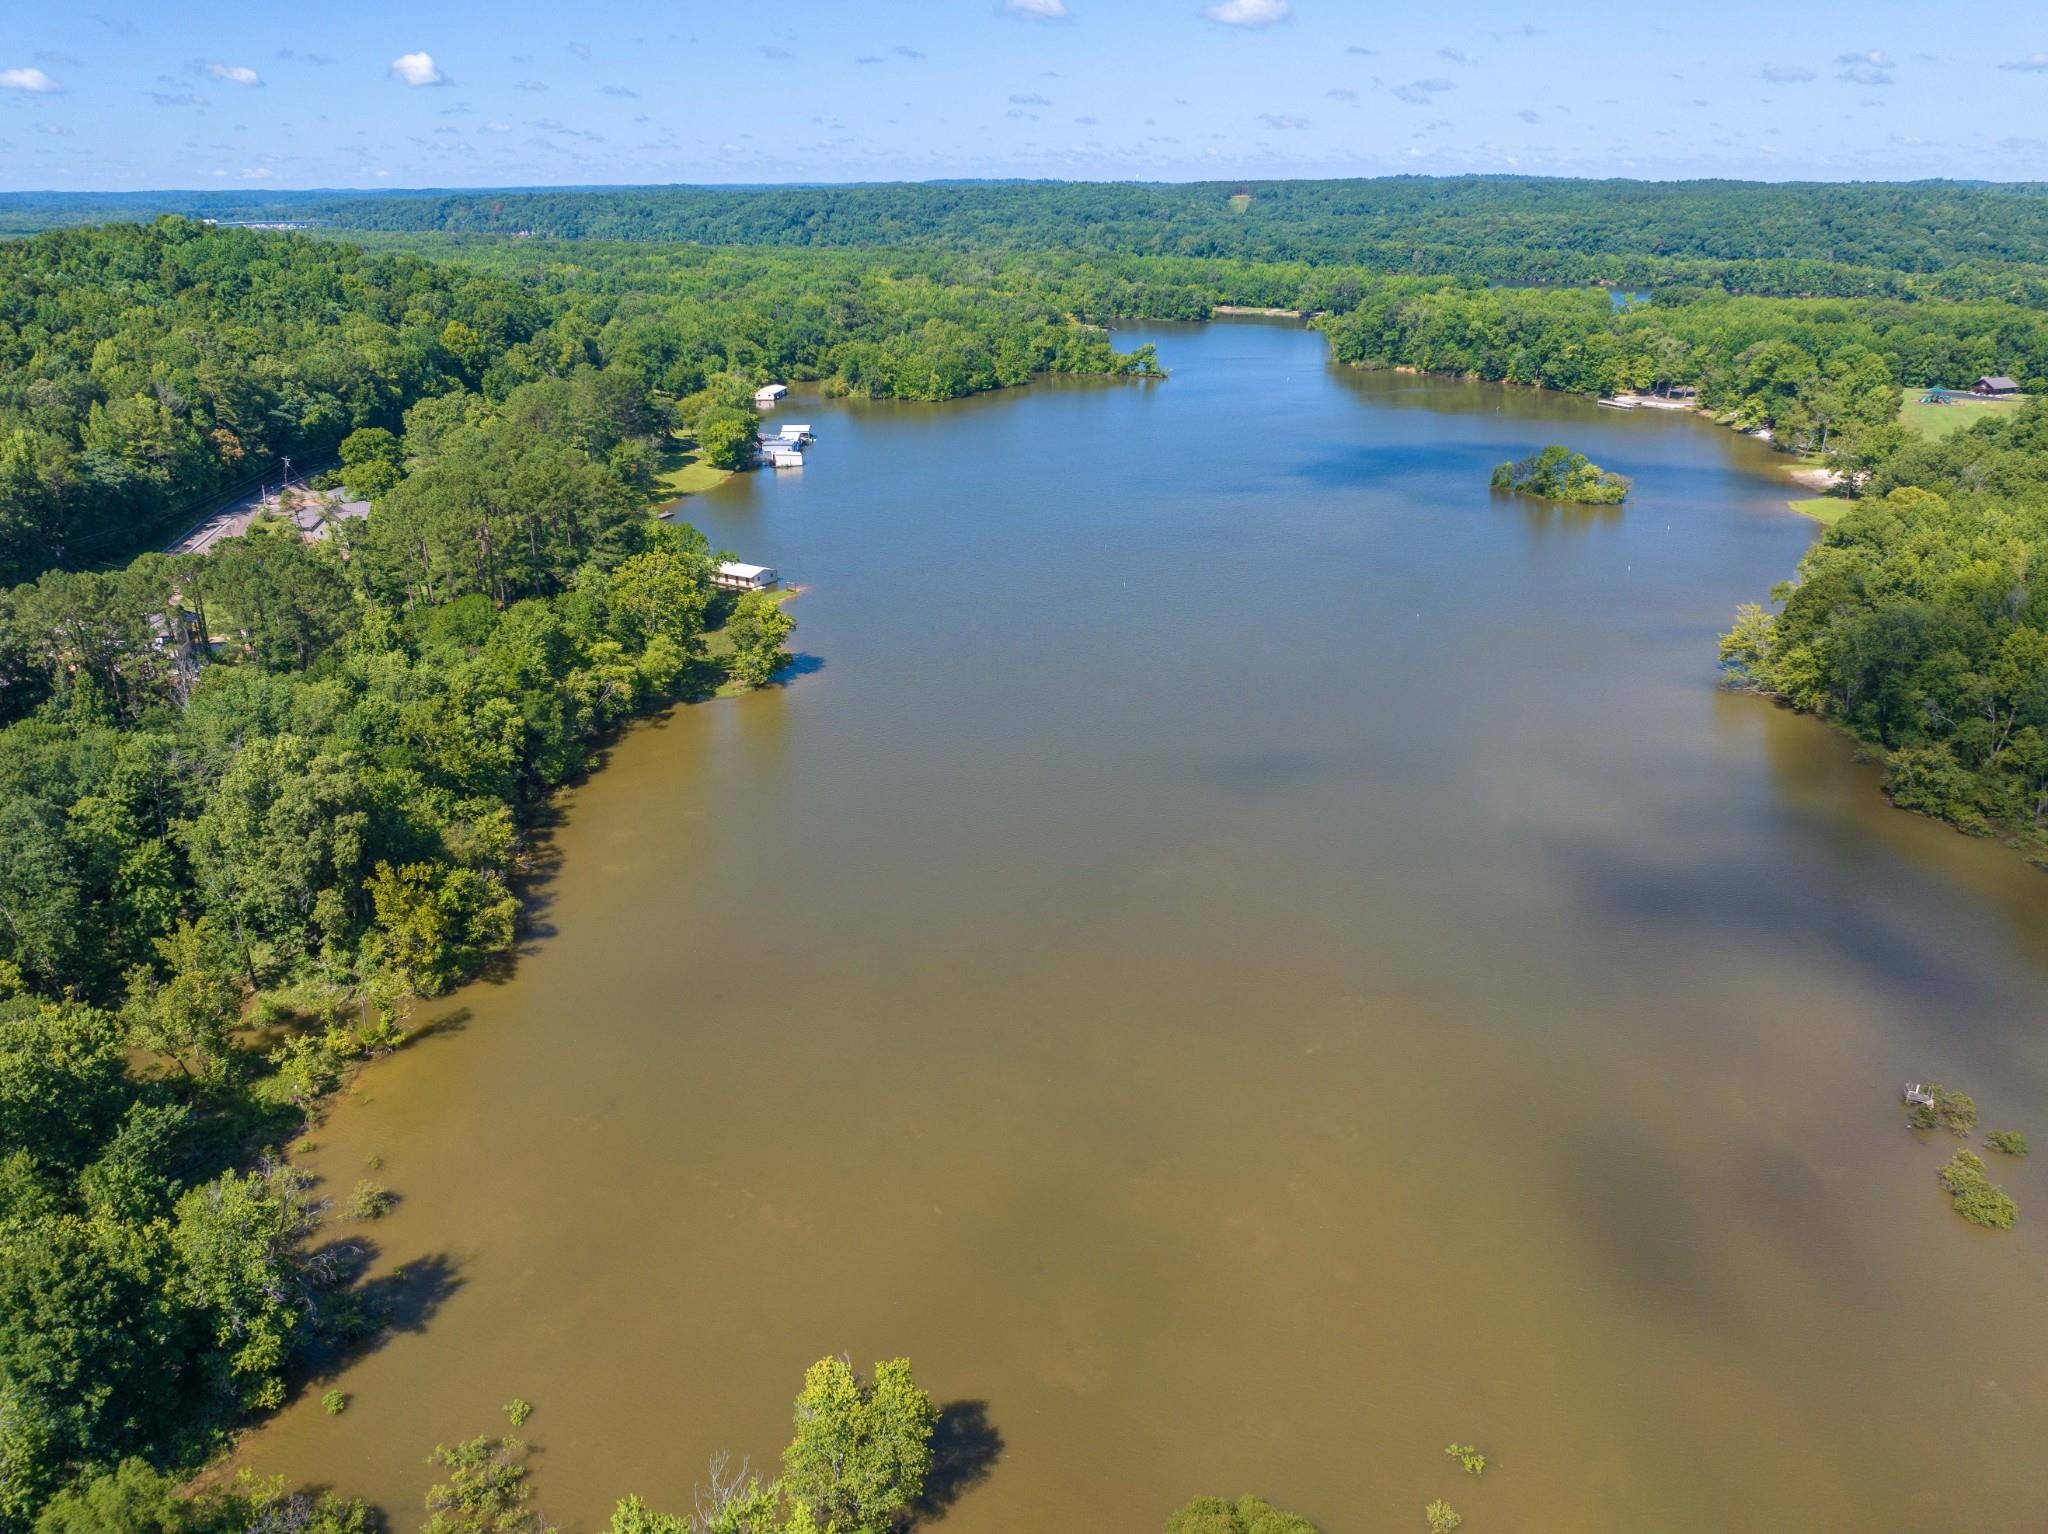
(1254, 958)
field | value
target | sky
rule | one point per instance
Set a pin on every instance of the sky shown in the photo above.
(376, 93)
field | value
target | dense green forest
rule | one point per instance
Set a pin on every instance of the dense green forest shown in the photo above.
(146, 370)
(1825, 374)
(253, 802)
(1916, 623)
(1942, 239)
(1746, 237)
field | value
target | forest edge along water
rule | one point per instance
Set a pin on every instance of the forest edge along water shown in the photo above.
(1248, 958)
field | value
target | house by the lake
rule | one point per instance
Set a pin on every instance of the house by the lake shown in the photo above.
(1994, 386)
(768, 396)
(733, 576)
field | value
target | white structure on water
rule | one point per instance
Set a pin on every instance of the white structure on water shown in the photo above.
(768, 396)
(732, 576)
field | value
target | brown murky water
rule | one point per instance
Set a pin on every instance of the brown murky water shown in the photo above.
(1253, 958)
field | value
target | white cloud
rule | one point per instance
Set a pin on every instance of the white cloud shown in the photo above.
(2033, 63)
(1283, 120)
(1420, 91)
(1871, 67)
(27, 80)
(1787, 74)
(1037, 10)
(1247, 13)
(417, 69)
(234, 74)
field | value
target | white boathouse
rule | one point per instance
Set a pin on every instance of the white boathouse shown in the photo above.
(733, 576)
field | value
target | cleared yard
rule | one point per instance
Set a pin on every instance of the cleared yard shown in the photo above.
(682, 472)
(1938, 421)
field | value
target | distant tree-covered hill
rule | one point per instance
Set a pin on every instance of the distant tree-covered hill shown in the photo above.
(1947, 239)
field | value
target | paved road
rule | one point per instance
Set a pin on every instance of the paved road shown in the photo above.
(233, 520)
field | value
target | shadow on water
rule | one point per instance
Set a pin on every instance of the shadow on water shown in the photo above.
(363, 1313)
(965, 1448)
(455, 1020)
(1543, 516)
(798, 665)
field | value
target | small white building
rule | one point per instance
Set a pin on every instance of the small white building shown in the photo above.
(784, 456)
(768, 396)
(732, 576)
(795, 431)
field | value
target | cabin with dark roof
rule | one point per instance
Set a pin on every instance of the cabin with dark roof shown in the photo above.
(1994, 386)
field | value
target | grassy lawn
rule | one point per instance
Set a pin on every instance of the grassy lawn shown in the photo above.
(680, 473)
(1938, 421)
(1826, 509)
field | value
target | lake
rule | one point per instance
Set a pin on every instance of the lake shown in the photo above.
(1251, 957)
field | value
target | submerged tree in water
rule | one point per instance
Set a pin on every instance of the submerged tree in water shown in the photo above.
(862, 1448)
(1977, 1198)
(1247, 1515)
(1559, 474)
(486, 1490)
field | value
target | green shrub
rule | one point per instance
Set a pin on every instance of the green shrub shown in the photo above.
(370, 1201)
(2007, 1142)
(1441, 1519)
(1247, 1515)
(1977, 1198)
(1469, 1456)
(334, 1403)
(486, 1491)
(518, 1410)
(1954, 1111)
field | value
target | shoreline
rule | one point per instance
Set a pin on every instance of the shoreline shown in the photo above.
(1799, 468)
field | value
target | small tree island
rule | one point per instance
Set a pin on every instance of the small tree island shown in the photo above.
(1559, 474)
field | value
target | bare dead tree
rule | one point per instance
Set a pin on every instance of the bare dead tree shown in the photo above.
(727, 1485)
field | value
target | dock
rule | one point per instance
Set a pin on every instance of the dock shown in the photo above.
(784, 450)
